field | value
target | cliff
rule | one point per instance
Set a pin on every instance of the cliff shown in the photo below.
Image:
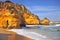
(31, 19)
(13, 15)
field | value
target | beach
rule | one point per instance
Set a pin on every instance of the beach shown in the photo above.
(40, 32)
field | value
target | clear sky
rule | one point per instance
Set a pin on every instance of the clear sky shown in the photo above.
(43, 8)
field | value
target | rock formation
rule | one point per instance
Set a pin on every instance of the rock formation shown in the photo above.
(31, 19)
(13, 15)
(45, 21)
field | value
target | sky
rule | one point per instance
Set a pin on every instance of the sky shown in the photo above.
(42, 8)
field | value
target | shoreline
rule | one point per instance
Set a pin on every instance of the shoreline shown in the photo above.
(32, 35)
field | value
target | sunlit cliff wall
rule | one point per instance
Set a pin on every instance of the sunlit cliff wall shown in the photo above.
(13, 15)
(8, 20)
(30, 19)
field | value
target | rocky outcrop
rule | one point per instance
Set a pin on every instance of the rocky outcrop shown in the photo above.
(8, 20)
(13, 15)
(45, 21)
(31, 19)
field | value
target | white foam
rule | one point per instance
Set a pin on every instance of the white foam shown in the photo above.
(32, 35)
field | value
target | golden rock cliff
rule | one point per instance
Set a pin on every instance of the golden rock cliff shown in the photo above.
(31, 19)
(13, 15)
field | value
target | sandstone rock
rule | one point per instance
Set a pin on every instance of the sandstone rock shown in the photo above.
(31, 19)
(13, 15)
(8, 20)
(45, 21)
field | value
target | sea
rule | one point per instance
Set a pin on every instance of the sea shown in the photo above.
(52, 32)
(40, 32)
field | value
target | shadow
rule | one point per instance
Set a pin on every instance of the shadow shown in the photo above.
(22, 22)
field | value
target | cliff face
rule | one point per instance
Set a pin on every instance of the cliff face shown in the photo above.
(8, 20)
(13, 15)
(31, 19)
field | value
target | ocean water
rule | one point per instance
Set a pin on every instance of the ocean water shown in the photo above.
(52, 32)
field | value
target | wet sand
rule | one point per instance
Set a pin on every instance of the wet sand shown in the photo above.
(9, 35)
